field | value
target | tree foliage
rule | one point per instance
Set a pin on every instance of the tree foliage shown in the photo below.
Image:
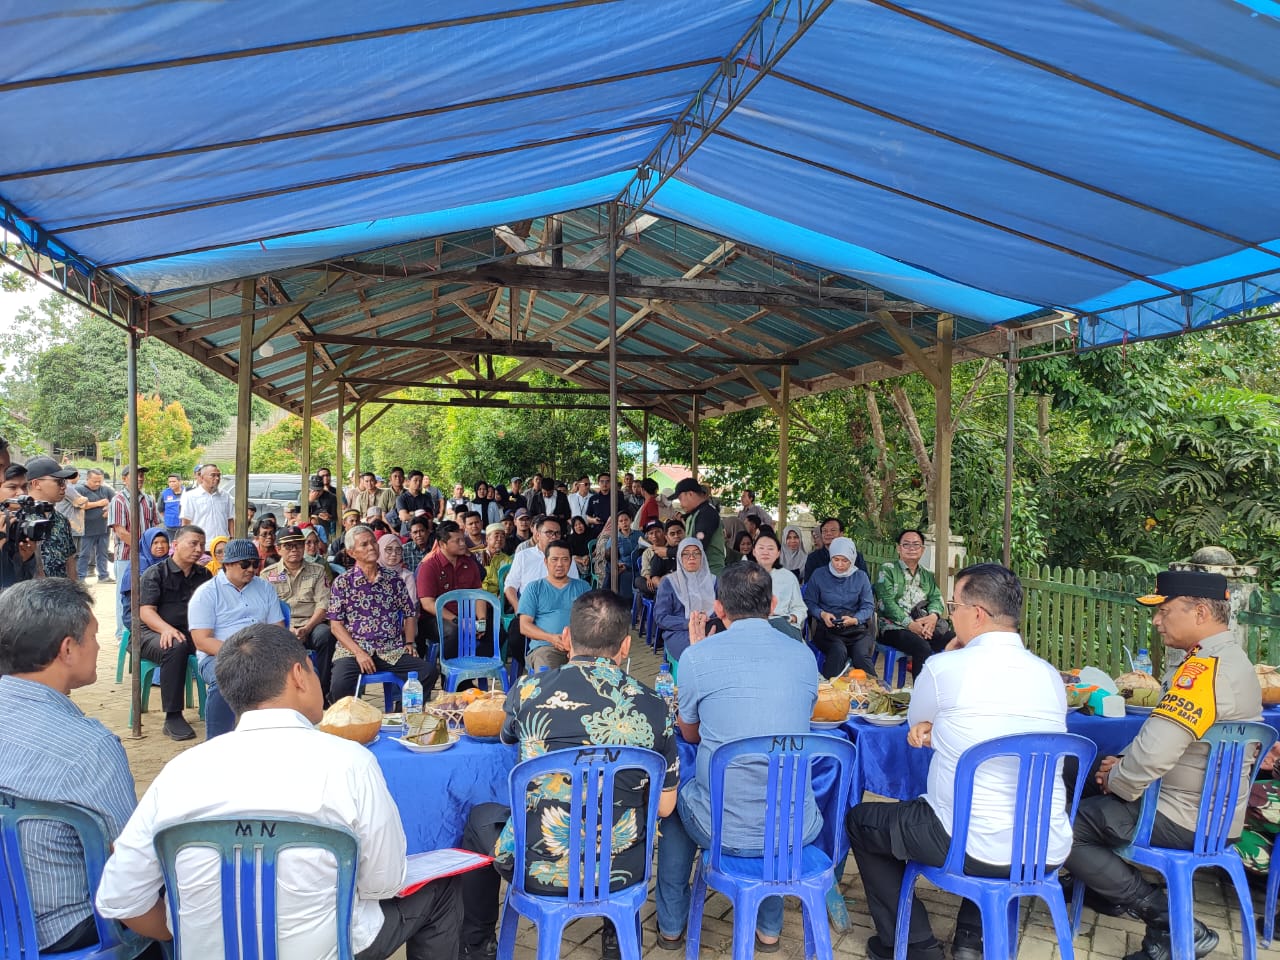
(164, 439)
(279, 449)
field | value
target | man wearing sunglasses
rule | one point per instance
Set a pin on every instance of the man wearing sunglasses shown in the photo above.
(987, 685)
(237, 597)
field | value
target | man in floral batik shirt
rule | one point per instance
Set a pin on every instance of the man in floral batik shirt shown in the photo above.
(589, 701)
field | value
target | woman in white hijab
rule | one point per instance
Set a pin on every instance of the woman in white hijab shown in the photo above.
(839, 597)
(690, 587)
(794, 554)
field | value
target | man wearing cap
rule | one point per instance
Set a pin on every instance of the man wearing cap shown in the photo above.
(207, 507)
(93, 545)
(292, 515)
(164, 597)
(702, 522)
(322, 503)
(235, 598)
(494, 556)
(171, 504)
(522, 520)
(656, 562)
(120, 518)
(19, 561)
(47, 481)
(413, 501)
(305, 588)
(1215, 683)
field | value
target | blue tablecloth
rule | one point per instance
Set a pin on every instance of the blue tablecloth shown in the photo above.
(890, 768)
(436, 791)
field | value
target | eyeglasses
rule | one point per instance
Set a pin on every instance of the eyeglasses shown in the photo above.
(249, 564)
(953, 605)
(912, 545)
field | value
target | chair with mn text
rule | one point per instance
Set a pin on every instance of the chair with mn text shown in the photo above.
(249, 849)
(788, 866)
(592, 773)
(17, 919)
(468, 664)
(1039, 757)
(1235, 754)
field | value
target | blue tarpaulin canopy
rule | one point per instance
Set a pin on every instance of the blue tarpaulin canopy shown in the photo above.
(990, 160)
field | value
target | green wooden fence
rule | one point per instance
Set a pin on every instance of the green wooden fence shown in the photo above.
(1078, 618)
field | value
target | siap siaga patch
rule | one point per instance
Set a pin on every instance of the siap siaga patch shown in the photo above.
(1190, 702)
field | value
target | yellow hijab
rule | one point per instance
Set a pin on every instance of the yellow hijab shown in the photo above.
(213, 566)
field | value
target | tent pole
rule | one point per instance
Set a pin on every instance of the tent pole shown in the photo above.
(784, 445)
(693, 452)
(308, 398)
(1011, 396)
(613, 394)
(943, 433)
(244, 406)
(339, 477)
(135, 646)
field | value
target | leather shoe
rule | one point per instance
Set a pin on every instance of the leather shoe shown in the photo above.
(1157, 944)
(609, 948)
(966, 945)
(177, 728)
(485, 950)
(929, 949)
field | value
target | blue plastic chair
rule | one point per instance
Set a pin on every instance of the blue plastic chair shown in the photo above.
(788, 867)
(17, 919)
(1229, 745)
(592, 773)
(248, 849)
(1039, 757)
(391, 687)
(468, 665)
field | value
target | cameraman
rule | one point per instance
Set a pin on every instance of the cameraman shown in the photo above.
(18, 561)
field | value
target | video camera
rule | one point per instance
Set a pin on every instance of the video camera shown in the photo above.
(29, 518)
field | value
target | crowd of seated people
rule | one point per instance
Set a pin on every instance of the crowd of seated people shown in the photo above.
(287, 619)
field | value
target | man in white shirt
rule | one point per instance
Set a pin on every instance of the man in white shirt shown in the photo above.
(987, 685)
(276, 764)
(530, 565)
(207, 507)
(579, 497)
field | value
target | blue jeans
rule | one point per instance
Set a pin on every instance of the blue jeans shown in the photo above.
(218, 717)
(680, 838)
(93, 550)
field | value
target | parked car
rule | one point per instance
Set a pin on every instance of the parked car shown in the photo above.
(269, 492)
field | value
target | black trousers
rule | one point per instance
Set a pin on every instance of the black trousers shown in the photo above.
(480, 888)
(321, 640)
(342, 682)
(1103, 824)
(883, 837)
(449, 649)
(425, 923)
(852, 646)
(173, 669)
(917, 647)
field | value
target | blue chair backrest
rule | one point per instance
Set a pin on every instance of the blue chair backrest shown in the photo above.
(502, 582)
(249, 849)
(789, 760)
(1231, 747)
(592, 773)
(466, 602)
(1039, 758)
(17, 919)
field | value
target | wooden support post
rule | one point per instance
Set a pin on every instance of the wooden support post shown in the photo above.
(693, 452)
(644, 447)
(244, 408)
(308, 398)
(613, 395)
(784, 445)
(135, 644)
(355, 444)
(1011, 403)
(943, 433)
(339, 477)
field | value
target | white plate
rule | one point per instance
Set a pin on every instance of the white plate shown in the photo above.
(826, 724)
(884, 719)
(1072, 709)
(1132, 708)
(431, 748)
(392, 720)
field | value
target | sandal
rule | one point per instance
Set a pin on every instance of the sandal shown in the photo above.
(670, 943)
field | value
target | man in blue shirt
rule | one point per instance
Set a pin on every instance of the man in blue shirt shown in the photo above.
(51, 751)
(171, 504)
(745, 681)
(544, 610)
(235, 598)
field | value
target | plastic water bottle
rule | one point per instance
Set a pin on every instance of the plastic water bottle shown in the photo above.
(665, 687)
(411, 695)
(1142, 661)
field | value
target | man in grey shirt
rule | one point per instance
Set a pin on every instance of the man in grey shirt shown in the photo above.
(49, 750)
(745, 681)
(96, 533)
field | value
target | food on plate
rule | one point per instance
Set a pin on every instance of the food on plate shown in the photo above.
(426, 730)
(352, 719)
(1269, 680)
(1139, 688)
(869, 681)
(832, 703)
(485, 715)
(892, 701)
